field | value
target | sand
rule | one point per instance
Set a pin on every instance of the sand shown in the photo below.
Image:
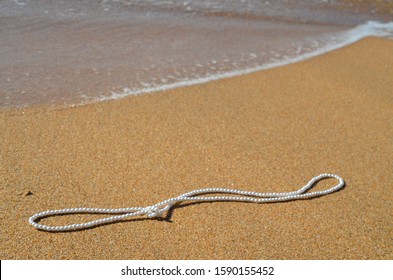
(267, 131)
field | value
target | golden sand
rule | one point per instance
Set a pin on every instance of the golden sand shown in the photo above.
(268, 131)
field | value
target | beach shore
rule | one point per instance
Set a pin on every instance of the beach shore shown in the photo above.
(267, 131)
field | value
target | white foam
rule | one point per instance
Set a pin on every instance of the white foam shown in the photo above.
(339, 40)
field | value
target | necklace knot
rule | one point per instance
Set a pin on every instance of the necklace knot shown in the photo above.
(154, 212)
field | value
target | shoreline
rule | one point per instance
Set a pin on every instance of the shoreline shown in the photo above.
(266, 131)
(347, 37)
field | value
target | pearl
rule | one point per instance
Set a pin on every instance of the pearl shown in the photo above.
(160, 208)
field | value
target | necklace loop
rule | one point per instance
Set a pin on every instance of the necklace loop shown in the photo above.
(158, 210)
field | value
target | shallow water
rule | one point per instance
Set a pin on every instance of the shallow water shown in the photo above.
(75, 52)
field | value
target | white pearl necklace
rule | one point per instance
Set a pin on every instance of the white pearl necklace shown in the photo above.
(158, 210)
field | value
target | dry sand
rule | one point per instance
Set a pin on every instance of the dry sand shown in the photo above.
(268, 131)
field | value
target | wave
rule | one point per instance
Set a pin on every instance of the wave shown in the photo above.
(337, 41)
(71, 52)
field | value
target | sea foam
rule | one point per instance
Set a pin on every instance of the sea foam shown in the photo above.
(71, 52)
(336, 41)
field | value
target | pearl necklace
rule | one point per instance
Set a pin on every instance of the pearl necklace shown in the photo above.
(158, 210)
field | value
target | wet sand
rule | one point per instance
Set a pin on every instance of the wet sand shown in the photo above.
(267, 131)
